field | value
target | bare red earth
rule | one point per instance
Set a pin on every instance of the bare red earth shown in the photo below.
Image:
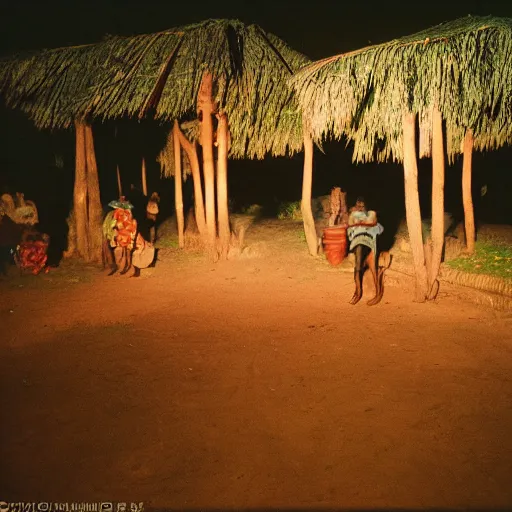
(251, 383)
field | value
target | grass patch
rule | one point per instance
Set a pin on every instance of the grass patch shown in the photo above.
(289, 210)
(168, 242)
(493, 259)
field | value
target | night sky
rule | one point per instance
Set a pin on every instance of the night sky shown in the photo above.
(316, 28)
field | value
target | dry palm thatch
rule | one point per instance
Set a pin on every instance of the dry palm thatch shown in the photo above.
(161, 74)
(166, 160)
(463, 67)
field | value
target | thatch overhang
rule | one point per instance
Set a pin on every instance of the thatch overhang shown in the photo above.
(160, 74)
(464, 67)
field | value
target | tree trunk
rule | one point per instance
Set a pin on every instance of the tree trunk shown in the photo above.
(191, 150)
(80, 193)
(305, 205)
(412, 204)
(94, 208)
(222, 185)
(144, 178)
(467, 198)
(178, 189)
(205, 107)
(437, 203)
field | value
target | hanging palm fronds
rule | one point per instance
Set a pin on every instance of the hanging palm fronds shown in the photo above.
(161, 74)
(167, 161)
(464, 67)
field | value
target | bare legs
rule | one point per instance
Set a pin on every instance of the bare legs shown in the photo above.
(366, 259)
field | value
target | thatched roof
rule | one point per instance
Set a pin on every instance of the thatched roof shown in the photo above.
(160, 74)
(463, 66)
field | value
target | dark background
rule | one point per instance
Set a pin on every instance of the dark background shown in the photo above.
(29, 158)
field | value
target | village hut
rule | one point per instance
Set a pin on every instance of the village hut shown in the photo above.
(457, 74)
(226, 77)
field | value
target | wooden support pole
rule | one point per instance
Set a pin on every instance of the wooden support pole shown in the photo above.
(80, 193)
(222, 185)
(178, 189)
(191, 150)
(412, 205)
(438, 171)
(467, 197)
(205, 107)
(144, 178)
(305, 205)
(94, 208)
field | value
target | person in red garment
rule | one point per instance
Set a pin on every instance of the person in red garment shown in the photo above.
(31, 253)
(120, 229)
(123, 231)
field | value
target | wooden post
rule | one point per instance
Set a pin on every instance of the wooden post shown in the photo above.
(467, 197)
(144, 181)
(305, 205)
(412, 204)
(119, 188)
(178, 189)
(205, 107)
(191, 150)
(437, 203)
(80, 193)
(222, 185)
(95, 211)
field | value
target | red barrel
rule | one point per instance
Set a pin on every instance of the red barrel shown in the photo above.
(335, 244)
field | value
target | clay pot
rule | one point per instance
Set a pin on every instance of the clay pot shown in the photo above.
(335, 244)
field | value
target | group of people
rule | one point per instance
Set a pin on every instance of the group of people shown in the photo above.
(131, 227)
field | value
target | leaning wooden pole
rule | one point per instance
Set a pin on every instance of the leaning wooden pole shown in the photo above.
(191, 150)
(438, 172)
(178, 189)
(119, 187)
(144, 178)
(94, 208)
(467, 197)
(305, 205)
(80, 193)
(205, 107)
(222, 185)
(412, 205)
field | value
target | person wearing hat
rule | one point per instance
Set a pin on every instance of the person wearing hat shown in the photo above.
(120, 230)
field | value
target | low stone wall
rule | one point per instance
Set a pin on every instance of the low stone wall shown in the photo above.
(488, 290)
(479, 281)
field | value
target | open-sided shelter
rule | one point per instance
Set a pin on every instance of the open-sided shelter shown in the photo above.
(458, 74)
(221, 68)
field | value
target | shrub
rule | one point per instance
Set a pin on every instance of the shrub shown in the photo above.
(289, 210)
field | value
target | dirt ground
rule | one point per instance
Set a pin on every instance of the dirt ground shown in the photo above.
(251, 383)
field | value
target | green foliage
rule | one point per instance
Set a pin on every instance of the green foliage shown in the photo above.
(161, 74)
(168, 242)
(253, 209)
(463, 67)
(289, 210)
(490, 258)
